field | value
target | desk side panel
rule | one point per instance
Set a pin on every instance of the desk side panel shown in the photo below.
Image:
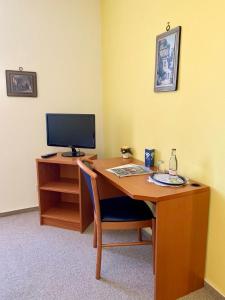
(106, 189)
(181, 236)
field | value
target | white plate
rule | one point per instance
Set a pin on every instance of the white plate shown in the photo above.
(168, 179)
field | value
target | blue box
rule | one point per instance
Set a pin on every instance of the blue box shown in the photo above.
(149, 157)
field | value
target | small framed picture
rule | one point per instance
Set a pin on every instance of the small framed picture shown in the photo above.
(21, 83)
(167, 60)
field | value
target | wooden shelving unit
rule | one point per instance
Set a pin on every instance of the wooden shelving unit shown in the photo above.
(62, 200)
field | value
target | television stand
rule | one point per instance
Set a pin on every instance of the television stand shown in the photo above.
(63, 200)
(73, 153)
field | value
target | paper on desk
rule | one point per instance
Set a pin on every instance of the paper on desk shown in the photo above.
(130, 170)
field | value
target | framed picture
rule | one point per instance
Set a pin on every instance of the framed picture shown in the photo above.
(167, 60)
(21, 83)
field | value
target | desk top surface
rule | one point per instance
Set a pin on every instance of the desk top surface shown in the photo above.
(59, 159)
(138, 187)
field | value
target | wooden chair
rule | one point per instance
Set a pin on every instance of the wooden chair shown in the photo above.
(116, 213)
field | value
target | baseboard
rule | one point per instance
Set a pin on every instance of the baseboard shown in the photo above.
(18, 211)
(147, 231)
(214, 292)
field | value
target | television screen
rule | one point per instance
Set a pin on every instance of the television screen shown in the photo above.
(71, 130)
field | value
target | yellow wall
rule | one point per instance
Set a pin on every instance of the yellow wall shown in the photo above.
(60, 40)
(191, 119)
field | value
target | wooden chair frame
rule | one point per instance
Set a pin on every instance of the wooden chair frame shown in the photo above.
(99, 226)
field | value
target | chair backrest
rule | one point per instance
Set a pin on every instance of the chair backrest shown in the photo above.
(90, 178)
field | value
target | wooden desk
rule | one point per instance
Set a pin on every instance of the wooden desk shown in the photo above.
(181, 227)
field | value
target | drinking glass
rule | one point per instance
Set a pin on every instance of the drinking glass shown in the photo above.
(159, 166)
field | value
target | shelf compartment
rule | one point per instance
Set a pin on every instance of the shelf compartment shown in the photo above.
(63, 211)
(63, 185)
(63, 214)
(54, 172)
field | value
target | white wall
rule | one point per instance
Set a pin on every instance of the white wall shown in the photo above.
(60, 40)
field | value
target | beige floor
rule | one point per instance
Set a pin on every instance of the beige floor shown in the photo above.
(204, 294)
(49, 263)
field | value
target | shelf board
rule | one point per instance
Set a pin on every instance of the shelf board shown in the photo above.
(65, 212)
(63, 185)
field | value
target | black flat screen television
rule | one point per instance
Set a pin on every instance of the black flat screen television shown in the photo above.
(71, 130)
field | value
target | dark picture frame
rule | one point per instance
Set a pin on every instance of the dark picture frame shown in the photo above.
(167, 60)
(21, 83)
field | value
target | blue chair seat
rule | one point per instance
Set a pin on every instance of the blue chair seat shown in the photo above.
(124, 209)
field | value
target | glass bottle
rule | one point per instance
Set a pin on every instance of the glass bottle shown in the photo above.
(173, 163)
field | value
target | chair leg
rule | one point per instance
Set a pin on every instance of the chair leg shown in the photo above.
(99, 252)
(95, 236)
(139, 235)
(153, 244)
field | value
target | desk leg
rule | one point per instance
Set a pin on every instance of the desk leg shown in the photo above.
(181, 234)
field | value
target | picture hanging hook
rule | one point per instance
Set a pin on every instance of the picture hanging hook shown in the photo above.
(20, 69)
(168, 26)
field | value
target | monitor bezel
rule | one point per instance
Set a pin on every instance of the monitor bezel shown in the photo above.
(70, 146)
